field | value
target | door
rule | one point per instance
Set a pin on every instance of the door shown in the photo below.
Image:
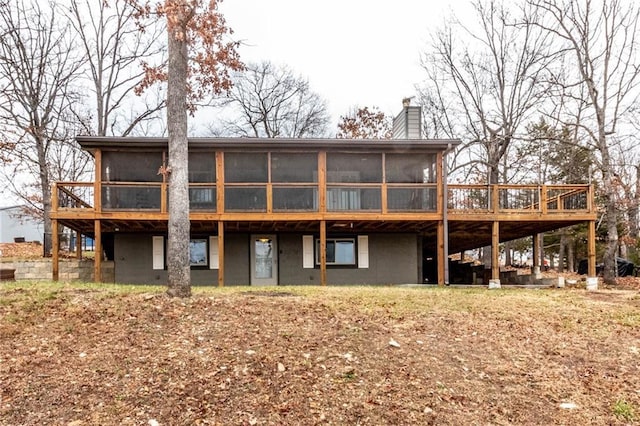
(264, 260)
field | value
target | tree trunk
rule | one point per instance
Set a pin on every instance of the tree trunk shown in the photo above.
(571, 255)
(45, 185)
(561, 250)
(610, 268)
(178, 266)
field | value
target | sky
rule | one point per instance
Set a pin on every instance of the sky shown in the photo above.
(354, 53)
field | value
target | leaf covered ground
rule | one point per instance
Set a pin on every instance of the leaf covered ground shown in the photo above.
(106, 355)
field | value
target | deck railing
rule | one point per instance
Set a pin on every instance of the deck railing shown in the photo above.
(519, 198)
(390, 198)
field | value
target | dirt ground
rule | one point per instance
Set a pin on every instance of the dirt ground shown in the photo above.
(88, 355)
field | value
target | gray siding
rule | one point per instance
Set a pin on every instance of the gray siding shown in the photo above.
(408, 124)
(134, 263)
(393, 259)
(14, 224)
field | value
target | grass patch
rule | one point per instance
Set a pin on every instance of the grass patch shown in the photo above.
(624, 410)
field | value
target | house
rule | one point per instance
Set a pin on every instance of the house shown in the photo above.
(304, 211)
(15, 226)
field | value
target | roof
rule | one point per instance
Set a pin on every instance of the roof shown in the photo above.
(93, 142)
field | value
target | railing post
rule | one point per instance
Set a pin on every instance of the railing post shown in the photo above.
(495, 199)
(54, 197)
(543, 198)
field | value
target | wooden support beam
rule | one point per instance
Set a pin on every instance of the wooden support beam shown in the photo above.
(495, 251)
(442, 257)
(220, 254)
(323, 252)
(591, 249)
(219, 182)
(440, 177)
(55, 250)
(78, 245)
(322, 181)
(97, 185)
(97, 261)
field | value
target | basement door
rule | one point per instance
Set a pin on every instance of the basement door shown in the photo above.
(264, 260)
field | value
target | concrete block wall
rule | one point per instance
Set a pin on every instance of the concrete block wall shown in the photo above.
(70, 270)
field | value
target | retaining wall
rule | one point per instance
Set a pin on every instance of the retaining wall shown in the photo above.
(69, 270)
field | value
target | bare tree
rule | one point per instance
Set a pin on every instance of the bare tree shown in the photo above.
(199, 61)
(271, 101)
(484, 83)
(363, 123)
(38, 68)
(600, 41)
(116, 50)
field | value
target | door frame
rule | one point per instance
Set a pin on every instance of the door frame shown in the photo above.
(273, 280)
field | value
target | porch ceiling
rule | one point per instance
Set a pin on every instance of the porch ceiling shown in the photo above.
(463, 235)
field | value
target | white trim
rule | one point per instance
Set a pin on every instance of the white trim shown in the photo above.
(363, 251)
(214, 253)
(158, 251)
(307, 251)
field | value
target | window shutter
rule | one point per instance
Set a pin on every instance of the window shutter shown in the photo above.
(158, 252)
(307, 251)
(363, 251)
(214, 258)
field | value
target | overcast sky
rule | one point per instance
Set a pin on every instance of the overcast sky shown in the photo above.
(353, 52)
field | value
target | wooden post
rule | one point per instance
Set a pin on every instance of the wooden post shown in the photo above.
(97, 261)
(442, 257)
(322, 181)
(323, 252)
(220, 253)
(495, 198)
(55, 250)
(591, 250)
(383, 187)
(441, 202)
(219, 183)
(78, 245)
(495, 251)
(97, 184)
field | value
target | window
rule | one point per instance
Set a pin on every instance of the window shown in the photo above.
(410, 168)
(203, 252)
(242, 167)
(340, 251)
(120, 166)
(354, 168)
(198, 252)
(294, 167)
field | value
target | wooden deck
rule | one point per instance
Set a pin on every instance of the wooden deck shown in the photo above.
(476, 215)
